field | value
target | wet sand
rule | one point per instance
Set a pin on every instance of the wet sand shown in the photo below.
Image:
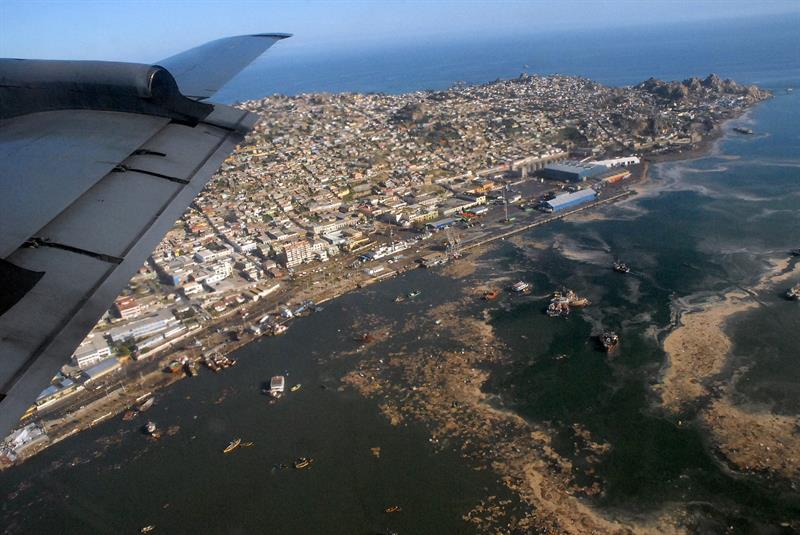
(754, 439)
(748, 438)
(698, 349)
(444, 391)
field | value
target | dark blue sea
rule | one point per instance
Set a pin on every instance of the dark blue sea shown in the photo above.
(701, 228)
(759, 51)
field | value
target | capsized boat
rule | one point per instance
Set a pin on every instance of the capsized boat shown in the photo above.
(232, 446)
(609, 340)
(793, 293)
(151, 429)
(621, 267)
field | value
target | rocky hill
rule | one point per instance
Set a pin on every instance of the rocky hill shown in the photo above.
(695, 87)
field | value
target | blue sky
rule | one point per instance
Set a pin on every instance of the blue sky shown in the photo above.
(148, 30)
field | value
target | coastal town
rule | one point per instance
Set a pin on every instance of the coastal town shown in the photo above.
(333, 192)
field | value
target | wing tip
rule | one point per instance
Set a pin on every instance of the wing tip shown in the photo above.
(273, 35)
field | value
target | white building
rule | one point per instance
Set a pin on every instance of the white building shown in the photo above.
(92, 350)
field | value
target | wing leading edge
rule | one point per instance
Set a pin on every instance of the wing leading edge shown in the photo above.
(95, 190)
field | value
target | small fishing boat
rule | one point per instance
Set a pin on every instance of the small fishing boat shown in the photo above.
(302, 462)
(232, 446)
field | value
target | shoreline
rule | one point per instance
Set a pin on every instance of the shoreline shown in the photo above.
(158, 379)
(749, 439)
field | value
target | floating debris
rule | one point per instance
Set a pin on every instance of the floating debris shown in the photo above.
(490, 295)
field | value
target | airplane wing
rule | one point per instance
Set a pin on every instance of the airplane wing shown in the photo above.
(97, 162)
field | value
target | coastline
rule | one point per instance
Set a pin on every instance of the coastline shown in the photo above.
(750, 439)
(155, 378)
(555, 495)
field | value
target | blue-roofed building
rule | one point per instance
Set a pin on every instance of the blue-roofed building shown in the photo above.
(56, 391)
(442, 223)
(573, 171)
(568, 200)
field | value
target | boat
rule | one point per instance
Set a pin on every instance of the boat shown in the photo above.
(575, 301)
(559, 306)
(147, 529)
(296, 387)
(277, 385)
(490, 295)
(621, 267)
(247, 444)
(151, 429)
(146, 405)
(232, 446)
(399, 299)
(520, 287)
(742, 130)
(393, 509)
(414, 293)
(302, 462)
(279, 329)
(609, 340)
(793, 293)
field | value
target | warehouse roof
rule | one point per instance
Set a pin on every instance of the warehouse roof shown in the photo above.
(566, 199)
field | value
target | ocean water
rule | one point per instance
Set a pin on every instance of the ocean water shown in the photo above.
(701, 228)
(763, 51)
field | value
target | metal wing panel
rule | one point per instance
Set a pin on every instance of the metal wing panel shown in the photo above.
(47, 160)
(31, 348)
(203, 70)
(76, 289)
